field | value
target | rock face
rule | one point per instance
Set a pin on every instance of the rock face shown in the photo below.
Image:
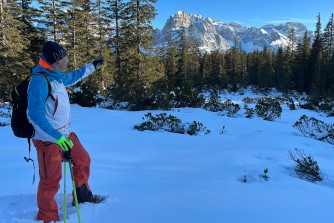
(213, 35)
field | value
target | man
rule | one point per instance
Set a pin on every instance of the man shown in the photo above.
(50, 116)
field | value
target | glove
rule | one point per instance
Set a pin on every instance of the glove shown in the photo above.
(67, 155)
(98, 62)
(64, 143)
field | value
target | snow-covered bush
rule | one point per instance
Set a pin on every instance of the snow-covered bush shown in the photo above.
(195, 127)
(5, 114)
(316, 129)
(170, 123)
(184, 97)
(319, 104)
(230, 109)
(161, 121)
(248, 100)
(327, 105)
(214, 104)
(305, 166)
(85, 96)
(289, 101)
(268, 108)
(265, 175)
(249, 111)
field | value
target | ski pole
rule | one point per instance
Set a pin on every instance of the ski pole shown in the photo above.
(75, 193)
(64, 191)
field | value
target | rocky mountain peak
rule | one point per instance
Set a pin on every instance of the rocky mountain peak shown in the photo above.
(213, 35)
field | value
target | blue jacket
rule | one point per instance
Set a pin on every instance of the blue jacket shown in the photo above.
(51, 118)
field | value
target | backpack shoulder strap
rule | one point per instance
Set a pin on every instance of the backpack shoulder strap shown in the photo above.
(49, 85)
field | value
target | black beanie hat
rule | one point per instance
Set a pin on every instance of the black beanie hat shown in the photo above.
(53, 52)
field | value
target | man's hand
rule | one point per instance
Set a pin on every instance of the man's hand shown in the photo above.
(67, 155)
(64, 143)
(98, 62)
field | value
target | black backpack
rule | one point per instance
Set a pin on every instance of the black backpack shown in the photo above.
(19, 101)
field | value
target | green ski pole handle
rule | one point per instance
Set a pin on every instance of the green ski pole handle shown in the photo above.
(65, 192)
(75, 193)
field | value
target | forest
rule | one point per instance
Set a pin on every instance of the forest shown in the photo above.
(138, 76)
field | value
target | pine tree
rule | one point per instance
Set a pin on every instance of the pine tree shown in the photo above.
(53, 18)
(235, 65)
(328, 39)
(183, 65)
(282, 72)
(252, 64)
(86, 37)
(136, 75)
(328, 54)
(302, 73)
(265, 69)
(316, 62)
(14, 58)
(35, 36)
(114, 12)
(292, 42)
(170, 62)
(217, 75)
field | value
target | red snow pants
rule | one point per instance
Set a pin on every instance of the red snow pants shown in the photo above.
(50, 172)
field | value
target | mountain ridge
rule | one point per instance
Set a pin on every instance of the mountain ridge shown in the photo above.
(214, 35)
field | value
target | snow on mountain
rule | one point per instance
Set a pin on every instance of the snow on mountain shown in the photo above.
(212, 35)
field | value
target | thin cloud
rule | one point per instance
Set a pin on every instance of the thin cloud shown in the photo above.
(301, 20)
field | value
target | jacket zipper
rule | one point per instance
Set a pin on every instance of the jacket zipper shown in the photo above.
(56, 106)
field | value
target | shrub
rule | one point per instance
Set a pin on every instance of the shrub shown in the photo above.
(268, 108)
(226, 108)
(230, 108)
(327, 105)
(184, 97)
(5, 114)
(161, 121)
(196, 127)
(248, 100)
(306, 167)
(249, 111)
(321, 104)
(85, 96)
(265, 176)
(214, 104)
(170, 123)
(316, 129)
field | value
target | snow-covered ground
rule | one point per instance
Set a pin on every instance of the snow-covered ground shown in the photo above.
(162, 177)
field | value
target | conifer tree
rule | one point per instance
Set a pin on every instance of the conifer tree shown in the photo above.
(86, 36)
(328, 55)
(183, 65)
(328, 40)
(282, 72)
(265, 69)
(292, 42)
(171, 62)
(252, 64)
(14, 58)
(136, 75)
(35, 36)
(53, 18)
(234, 65)
(114, 13)
(316, 63)
(302, 73)
(217, 76)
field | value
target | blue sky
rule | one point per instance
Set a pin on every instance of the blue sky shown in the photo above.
(250, 13)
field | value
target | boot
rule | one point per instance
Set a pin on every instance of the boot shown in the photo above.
(85, 195)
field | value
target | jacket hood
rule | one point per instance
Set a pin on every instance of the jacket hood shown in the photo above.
(45, 67)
